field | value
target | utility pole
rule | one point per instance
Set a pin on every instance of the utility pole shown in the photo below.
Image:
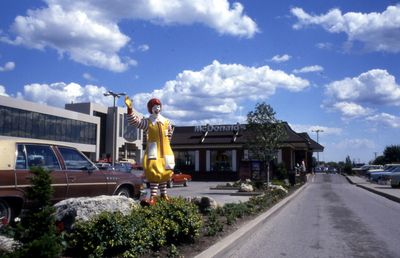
(114, 139)
(318, 131)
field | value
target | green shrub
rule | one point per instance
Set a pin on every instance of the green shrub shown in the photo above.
(145, 229)
(37, 231)
(181, 219)
(213, 225)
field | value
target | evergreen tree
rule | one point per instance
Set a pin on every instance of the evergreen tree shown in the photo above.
(37, 231)
(348, 166)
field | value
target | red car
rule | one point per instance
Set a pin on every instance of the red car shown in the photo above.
(179, 179)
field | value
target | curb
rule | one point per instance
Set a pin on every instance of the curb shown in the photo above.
(388, 196)
(228, 240)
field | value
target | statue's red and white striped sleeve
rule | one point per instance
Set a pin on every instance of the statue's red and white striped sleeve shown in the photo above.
(138, 122)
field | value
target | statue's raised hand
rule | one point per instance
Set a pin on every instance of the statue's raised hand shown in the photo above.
(128, 102)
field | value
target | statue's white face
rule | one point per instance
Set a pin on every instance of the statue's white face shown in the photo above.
(156, 109)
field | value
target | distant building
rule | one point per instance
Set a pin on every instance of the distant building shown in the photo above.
(86, 126)
(218, 152)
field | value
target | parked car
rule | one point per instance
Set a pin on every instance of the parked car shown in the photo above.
(178, 178)
(362, 171)
(104, 166)
(123, 167)
(383, 175)
(72, 174)
(395, 179)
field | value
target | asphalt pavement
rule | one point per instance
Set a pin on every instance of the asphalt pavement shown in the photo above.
(383, 190)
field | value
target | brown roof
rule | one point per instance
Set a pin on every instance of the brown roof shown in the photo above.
(314, 146)
(235, 134)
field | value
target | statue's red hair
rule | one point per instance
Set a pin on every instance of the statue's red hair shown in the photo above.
(152, 103)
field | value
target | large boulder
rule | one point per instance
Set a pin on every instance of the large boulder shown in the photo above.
(84, 208)
(205, 203)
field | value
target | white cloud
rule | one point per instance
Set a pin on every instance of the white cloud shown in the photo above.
(58, 94)
(88, 31)
(378, 31)
(324, 45)
(311, 129)
(3, 91)
(88, 77)
(281, 58)
(355, 144)
(373, 87)
(216, 93)
(309, 69)
(143, 48)
(9, 66)
(351, 110)
(385, 119)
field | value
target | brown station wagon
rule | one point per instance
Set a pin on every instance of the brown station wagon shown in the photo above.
(72, 173)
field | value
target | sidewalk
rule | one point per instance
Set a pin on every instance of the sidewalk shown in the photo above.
(383, 190)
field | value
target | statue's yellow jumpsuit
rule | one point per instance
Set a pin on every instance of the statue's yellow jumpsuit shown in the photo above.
(158, 159)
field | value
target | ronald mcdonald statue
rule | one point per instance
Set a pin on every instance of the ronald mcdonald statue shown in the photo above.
(158, 160)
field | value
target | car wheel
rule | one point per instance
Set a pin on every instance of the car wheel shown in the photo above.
(123, 191)
(5, 213)
(170, 184)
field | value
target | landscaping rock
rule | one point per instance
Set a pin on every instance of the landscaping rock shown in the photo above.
(8, 245)
(205, 203)
(278, 187)
(84, 208)
(244, 187)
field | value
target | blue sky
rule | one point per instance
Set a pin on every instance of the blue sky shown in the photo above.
(328, 65)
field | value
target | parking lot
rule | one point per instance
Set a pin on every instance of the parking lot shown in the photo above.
(203, 189)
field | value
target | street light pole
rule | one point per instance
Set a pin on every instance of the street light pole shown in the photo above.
(318, 131)
(114, 140)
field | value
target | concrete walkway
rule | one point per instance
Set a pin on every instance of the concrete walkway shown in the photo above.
(383, 190)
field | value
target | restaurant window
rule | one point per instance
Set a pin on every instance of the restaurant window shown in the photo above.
(221, 160)
(185, 161)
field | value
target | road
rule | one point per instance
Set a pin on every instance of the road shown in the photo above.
(329, 218)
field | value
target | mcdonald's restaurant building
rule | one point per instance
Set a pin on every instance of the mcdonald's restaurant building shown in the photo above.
(218, 152)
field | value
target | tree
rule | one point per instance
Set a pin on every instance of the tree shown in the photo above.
(392, 153)
(37, 231)
(348, 166)
(266, 132)
(380, 160)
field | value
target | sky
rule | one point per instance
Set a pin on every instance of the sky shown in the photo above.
(325, 65)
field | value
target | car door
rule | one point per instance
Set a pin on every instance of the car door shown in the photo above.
(84, 179)
(34, 155)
